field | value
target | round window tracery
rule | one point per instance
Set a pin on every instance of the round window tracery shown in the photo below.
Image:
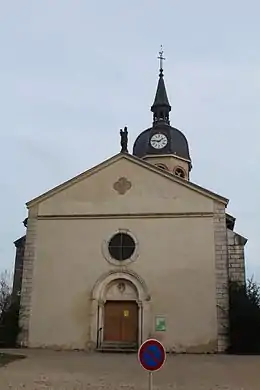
(180, 172)
(121, 246)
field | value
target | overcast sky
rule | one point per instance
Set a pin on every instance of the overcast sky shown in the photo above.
(73, 72)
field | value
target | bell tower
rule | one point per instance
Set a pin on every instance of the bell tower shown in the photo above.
(162, 144)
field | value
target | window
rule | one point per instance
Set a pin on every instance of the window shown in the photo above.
(121, 246)
(162, 166)
(179, 172)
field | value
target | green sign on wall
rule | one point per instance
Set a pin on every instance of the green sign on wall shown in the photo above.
(160, 324)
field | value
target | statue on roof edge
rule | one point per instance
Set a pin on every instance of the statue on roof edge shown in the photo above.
(124, 140)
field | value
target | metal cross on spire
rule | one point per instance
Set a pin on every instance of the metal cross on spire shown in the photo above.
(161, 58)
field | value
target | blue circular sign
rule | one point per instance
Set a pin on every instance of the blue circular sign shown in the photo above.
(151, 355)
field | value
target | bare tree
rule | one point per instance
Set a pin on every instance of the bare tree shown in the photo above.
(5, 291)
(9, 313)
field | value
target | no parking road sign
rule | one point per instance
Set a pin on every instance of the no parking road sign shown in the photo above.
(152, 355)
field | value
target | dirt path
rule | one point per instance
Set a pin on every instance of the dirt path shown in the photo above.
(78, 371)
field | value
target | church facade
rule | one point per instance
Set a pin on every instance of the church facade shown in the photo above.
(128, 250)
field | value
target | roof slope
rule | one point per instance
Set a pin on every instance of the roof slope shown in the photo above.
(135, 160)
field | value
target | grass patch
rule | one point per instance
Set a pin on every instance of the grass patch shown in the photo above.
(6, 358)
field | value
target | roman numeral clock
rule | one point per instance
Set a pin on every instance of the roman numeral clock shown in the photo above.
(158, 141)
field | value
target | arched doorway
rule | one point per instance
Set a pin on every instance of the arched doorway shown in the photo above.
(121, 312)
(115, 294)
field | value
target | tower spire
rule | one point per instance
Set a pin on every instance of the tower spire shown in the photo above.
(161, 107)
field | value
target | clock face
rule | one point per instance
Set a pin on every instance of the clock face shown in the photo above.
(158, 141)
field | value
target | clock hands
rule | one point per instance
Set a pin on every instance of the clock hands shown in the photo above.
(158, 141)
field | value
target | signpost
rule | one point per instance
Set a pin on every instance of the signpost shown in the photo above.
(151, 356)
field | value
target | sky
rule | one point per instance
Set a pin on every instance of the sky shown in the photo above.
(73, 72)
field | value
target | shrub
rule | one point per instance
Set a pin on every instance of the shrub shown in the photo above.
(9, 315)
(244, 318)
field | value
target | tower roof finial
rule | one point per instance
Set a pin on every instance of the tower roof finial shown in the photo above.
(161, 58)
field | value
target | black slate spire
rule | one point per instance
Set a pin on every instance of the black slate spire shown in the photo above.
(161, 107)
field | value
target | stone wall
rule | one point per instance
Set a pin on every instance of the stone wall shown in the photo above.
(236, 257)
(29, 256)
(230, 266)
(221, 259)
(18, 269)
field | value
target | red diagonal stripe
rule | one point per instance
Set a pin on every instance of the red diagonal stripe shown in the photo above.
(151, 354)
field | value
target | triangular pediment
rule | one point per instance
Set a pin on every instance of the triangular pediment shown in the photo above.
(101, 190)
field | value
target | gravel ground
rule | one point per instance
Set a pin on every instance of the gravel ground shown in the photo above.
(77, 370)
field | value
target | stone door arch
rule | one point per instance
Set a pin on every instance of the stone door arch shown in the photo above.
(117, 286)
(120, 290)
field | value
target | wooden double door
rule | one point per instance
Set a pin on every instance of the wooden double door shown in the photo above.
(121, 321)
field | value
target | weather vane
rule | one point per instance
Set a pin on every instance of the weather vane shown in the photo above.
(161, 58)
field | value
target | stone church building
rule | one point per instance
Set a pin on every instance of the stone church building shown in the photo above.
(128, 250)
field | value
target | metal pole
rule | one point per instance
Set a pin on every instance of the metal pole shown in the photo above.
(150, 387)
